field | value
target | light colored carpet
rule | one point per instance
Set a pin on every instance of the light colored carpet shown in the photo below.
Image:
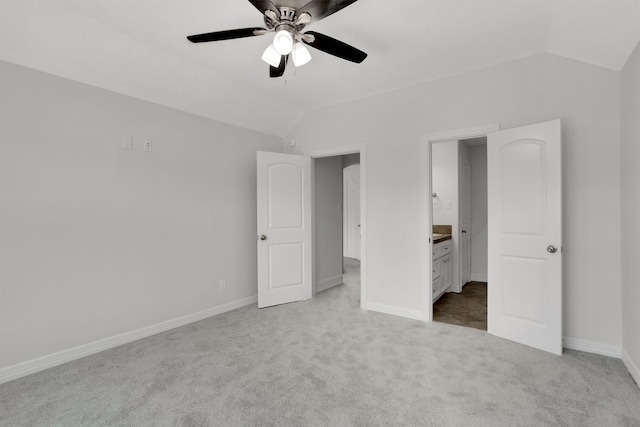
(324, 362)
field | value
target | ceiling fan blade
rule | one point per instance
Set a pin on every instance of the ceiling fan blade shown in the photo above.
(335, 47)
(319, 9)
(263, 5)
(279, 70)
(226, 35)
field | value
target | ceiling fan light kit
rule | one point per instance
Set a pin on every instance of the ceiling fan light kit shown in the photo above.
(283, 42)
(300, 55)
(289, 40)
(271, 56)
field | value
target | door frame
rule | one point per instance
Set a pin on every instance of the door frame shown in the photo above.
(426, 189)
(340, 151)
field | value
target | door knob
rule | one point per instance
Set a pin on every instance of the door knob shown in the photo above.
(464, 231)
(552, 249)
(263, 237)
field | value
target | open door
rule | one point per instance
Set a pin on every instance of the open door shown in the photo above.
(351, 203)
(284, 228)
(464, 219)
(525, 235)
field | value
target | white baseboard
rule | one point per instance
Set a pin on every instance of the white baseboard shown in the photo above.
(330, 282)
(631, 367)
(479, 278)
(32, 366)
(592, 347)
(396, 311)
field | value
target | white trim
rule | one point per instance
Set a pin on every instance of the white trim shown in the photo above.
(36, 365)
(335, 151)
(396, 311)
(425, 203)
(592, 347)
(329, 282)
(340, 151)
(455, 288)
(479, 278)
(426, 287)
(461, 133)
(631, 367)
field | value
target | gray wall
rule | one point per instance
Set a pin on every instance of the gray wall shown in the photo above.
(479, 220)
(517, 93)
(630, 172)
(328, 222)
(98, 241)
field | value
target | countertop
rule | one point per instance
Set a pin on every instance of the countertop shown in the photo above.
(437, 238)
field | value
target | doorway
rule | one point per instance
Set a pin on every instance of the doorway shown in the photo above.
(524, 228)
(329, 165)
(459, 212)
(426, 207)
(336, 220)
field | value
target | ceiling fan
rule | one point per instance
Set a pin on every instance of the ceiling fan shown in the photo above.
(287, 22)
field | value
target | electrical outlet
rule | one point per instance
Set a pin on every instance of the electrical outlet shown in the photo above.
(127, 143)
(223, 284)
(148, 145)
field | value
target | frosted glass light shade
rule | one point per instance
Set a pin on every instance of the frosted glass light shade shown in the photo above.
(283, 42)
(300, 55)
(271, 57)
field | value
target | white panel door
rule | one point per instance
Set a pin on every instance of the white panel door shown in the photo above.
(351, 198)
(525, 235)
(464, 218)
(284, 228)
(354, 210)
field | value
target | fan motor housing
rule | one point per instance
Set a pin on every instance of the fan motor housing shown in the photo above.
(287, 14)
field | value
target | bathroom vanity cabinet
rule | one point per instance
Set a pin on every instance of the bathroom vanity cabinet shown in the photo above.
(441, 268)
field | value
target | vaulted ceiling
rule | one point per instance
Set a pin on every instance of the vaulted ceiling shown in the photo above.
(138, 48)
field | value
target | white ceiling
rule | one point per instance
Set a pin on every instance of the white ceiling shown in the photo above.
(138, 48)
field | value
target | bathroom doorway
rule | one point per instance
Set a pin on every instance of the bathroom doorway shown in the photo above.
(459, 218)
